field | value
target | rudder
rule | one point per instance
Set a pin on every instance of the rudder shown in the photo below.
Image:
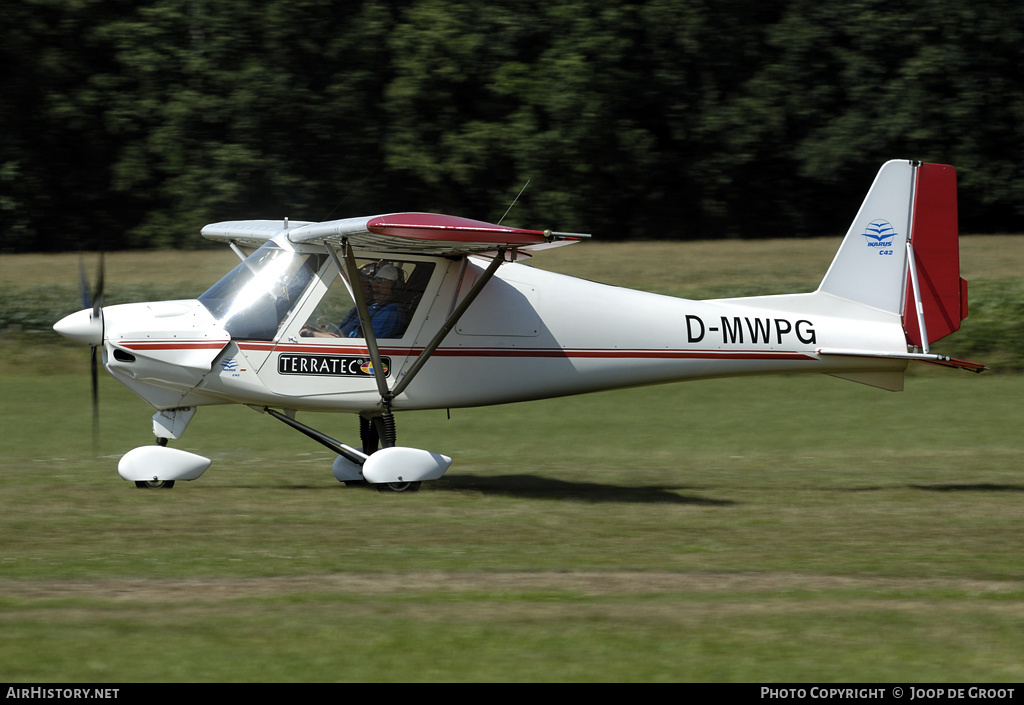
(935, 245)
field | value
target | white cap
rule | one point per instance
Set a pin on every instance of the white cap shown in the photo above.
(388, 271)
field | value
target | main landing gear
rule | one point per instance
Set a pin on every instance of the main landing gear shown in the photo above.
(390, 468)
(380, 462)
(380, 430)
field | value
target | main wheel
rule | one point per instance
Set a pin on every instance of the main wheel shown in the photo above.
(154, 484)
(398, 486)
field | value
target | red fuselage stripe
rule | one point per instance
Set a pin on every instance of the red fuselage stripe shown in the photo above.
(539, 352)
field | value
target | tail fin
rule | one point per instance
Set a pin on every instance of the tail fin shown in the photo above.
(915, 203)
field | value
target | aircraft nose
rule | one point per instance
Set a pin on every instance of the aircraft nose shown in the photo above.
(82, 327)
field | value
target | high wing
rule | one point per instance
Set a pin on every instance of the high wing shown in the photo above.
(249, 233)
(406, 233)
(398, 233)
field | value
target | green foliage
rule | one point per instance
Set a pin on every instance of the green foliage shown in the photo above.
(994, 328)
(132, 124)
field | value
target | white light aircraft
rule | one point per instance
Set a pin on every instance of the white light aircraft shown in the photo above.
(380, 314)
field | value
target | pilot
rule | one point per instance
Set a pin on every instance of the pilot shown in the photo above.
(351, 320)
(386, 315)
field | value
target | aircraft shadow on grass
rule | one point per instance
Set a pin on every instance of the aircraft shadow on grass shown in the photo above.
(969, 487)
(535, 486)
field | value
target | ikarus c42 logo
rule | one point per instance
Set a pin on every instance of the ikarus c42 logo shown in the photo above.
(879, 234)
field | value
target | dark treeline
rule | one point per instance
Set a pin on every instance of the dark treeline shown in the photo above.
(132, 123)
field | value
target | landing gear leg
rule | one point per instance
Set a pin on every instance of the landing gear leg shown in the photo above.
(368, 434)
(381, 429)
(369, 439)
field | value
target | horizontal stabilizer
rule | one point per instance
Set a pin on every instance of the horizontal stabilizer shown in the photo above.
(889, 380)
(930, 359)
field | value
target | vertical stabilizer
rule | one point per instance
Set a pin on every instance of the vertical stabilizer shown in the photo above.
(871, 265)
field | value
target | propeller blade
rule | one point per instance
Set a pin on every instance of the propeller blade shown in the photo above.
(97, 298)
(95, 401)
(94, 301)
(83, 282)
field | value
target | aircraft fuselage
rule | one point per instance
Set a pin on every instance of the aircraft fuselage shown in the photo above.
(531, 334)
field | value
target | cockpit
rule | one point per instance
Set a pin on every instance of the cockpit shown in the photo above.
(255, 299)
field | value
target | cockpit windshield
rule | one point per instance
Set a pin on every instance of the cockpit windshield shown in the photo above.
(254, 298)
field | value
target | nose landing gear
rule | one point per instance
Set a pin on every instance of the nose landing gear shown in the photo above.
(154, 484)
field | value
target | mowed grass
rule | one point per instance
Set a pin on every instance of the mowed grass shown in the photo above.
(770, 529)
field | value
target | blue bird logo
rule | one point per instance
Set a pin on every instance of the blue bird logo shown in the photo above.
(879, 230)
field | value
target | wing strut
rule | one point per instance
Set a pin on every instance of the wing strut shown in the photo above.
(352, 274)
(234, 248)
(449, 323)
(348, 267)
(350, 454)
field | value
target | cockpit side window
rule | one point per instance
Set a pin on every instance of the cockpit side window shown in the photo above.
(254, 298)
(392, 290)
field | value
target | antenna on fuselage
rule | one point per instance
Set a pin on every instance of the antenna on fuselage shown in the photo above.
(514, 200)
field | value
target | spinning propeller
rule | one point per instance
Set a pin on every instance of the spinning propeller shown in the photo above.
(96, 303)
(86, 326)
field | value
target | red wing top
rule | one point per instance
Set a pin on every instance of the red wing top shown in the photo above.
(421, 233)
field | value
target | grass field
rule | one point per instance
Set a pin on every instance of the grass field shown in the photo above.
(774, 529)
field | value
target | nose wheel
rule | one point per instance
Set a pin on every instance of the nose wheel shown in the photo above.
(154, 484)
